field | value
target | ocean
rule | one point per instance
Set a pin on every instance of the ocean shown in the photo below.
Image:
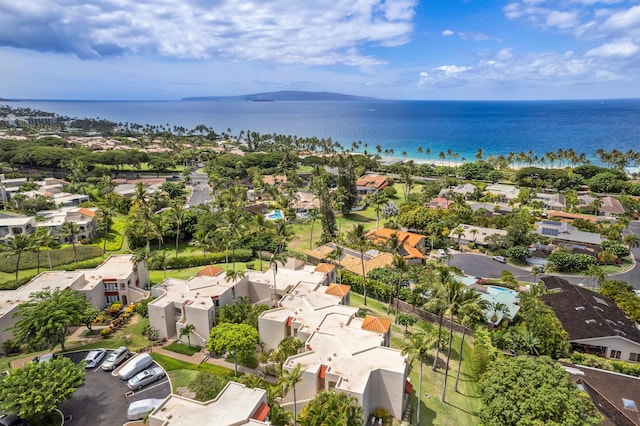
(498, 127)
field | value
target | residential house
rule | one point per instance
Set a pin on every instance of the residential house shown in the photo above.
(235, 405)
(552, 201)
(275, 180)
(567, 217)
(370, 183)
(475, 234)
(610, 207)
(440, 203)
(350, 259)
(503, 192)
(568, 236)
(305, 202)
(412, 245)
(10, 226)
(117, 278)
(614, 395)
(593, 321)
(466, 190)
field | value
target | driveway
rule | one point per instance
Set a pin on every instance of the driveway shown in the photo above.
(102, 401)
(479, 265)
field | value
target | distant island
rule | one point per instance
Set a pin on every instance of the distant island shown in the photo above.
(287, 95)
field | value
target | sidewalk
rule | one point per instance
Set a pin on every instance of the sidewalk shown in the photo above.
(200, 357)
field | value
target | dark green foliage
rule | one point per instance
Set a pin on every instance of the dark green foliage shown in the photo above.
(533, 391)
(624, 296)
(182, 349)
(29, 260)
(241, 255)
(588, 171)
(607, 182)
(484, 353)
(617, 247)
(142, 308)
(207, 386)
(241, 312)
(332, 408)
(563, 261)
(543, 325)
(476, 170)
(608, 364)
(375, 289)
(518, 253)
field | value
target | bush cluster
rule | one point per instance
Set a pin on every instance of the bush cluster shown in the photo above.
(241, 255)
(65, 256)
(562, 261)
(375, 289)
(606, 364)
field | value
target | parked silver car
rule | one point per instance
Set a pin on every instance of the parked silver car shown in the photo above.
(145, 377)
(115, 358)
(94, 358)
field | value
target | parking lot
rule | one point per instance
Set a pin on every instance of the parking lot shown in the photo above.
(102, 401)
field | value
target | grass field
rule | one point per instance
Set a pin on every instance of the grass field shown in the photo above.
(460, 408)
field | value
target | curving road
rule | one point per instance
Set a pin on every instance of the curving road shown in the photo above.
(479, 265)
(201, 191)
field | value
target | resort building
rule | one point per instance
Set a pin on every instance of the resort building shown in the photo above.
(13, 226)
(115, 279)
(84, 218)
(196, 300)
(235, 405)
(593, 321)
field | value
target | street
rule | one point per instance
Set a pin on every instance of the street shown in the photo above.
(201, 190)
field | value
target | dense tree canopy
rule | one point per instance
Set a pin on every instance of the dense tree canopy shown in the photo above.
(330, 409)
(533, 391)
(46, 317)
(233, 338)
(37, 389)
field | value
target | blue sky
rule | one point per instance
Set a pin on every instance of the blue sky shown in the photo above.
(395, 49)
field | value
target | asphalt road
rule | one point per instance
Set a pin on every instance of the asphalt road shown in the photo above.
(102, 401)
(483, 266)
(201, 190)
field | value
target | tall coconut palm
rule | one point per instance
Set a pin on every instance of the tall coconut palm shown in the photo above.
(71, 230)
(314, 215)
(419, 346)
(259, 227)
(235, 275)
(289, 380)
(18, 245)
(105, 215)
(438, 301)
(400, 265)
(336, 254)
(454, 296)
(177, 213)
(233, 224)
(470, 312)
(281, 258)
(39, 239)
(202, 239)
(378, 199)
(142, 255)
(160, 259)
(631, 240)
(357, 238)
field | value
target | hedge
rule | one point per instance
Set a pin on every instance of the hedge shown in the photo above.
(375, 289)
(241, 255)
(12, 284)
(606, 364)
(29, 260)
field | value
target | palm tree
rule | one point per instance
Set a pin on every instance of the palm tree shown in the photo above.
(378, 199)
(400, 265)
(202, 239)
(438, 302)
(420, 345)
(631, 240)
(17, 245)
(106, 214)
(357, 238)
(160, 259)
(289, 381)
(535, 272)
(177, 215)
(278, 257)
(70, 230)
(496, 308)
(336, 254)
(106, 185)
(470, 312)
(233, 226)
(313, 216)
(235, 275)
(259, 228)
(459, 232)
(41, 238)
(186, 331)
(142, 255)
(474, 232)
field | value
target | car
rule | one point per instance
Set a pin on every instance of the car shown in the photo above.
(500, 259)
(138, 409)
(94, 357)
(442, 254)
(11, 420)
(145, 377)
(115, 358)
(135, 365)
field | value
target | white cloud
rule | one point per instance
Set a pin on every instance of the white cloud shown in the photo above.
(447, 33)
(620, 49)
(320, 32)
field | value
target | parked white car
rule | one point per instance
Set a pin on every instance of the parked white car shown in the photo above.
(500, 259)
(145, 377)
(138, 409)
(93, 358)
(134, 366)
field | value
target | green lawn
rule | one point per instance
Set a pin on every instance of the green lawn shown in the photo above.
(460, 408)
(115, 237)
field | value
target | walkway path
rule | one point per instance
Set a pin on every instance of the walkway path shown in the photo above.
(200, 357)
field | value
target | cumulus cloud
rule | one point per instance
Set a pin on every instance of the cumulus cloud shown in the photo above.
(447, 33)
(621, 49)
(322, 32)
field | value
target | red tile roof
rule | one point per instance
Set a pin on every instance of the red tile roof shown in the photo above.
(261, 412)
(373, 181)
(376, 324)
(87, 212)
(210, 271)
(440, 203)
(325, 268)
(340, 290)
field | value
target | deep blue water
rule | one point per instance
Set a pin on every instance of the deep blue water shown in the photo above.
(461, 126)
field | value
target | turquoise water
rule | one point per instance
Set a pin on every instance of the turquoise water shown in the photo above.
(274, 215)
(503, 290)
(438, 126)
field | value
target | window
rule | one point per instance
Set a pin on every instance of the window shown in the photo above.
(178, 312)
(111, 286)
(122, 287)
(590, 321)
(614, 354)
(629, 404)
(16, 231)
(580, 386)
(634, 357)
(111, 299)
(600, 301)
(579, 308)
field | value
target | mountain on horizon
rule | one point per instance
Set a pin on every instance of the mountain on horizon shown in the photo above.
(285, 95)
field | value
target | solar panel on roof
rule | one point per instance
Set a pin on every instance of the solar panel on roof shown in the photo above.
(552, 222)
(550, 232)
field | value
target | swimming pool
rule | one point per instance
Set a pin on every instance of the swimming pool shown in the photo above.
(503, 290)
(274, 215)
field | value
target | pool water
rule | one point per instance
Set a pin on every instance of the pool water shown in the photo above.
(274, 215)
